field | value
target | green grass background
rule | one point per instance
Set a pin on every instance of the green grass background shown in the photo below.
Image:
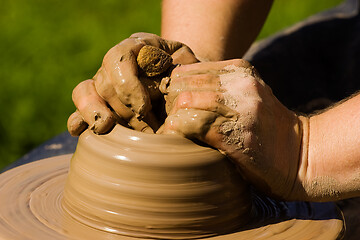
(48, 46)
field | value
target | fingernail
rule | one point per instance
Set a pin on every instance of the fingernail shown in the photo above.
(164, 84)
(147, 130)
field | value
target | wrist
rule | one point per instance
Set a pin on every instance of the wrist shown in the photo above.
(333, 153)
(304, 133)
(321, 172)
(293, 157)
(315, 183)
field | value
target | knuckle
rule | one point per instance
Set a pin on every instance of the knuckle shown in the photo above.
(177, 71)
(241, 63)
(171, 122)
(183, 100)
(110, 54)
(81, 87)
(142, 35)
(175, 74)
(83, 106)
(184, 55)
(136, 35)
(250, 84)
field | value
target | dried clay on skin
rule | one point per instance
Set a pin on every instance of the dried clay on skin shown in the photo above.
(233, 130)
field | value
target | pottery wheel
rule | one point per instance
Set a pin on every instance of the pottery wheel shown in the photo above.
(30, 208)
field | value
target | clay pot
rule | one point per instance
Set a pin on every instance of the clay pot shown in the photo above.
(147, 185)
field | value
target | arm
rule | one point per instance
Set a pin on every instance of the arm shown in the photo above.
(332, 165)
(214, 29)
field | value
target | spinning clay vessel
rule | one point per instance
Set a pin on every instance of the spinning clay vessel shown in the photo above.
(134, 185)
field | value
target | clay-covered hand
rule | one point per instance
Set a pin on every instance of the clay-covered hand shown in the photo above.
(116, 92)
(226, 105)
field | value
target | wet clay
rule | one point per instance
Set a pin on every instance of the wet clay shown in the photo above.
(131, 185)
(156, 186)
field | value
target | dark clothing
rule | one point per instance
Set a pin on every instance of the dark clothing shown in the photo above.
(318, 58)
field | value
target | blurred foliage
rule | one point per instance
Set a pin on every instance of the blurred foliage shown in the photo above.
(48, 46)
(285, 13)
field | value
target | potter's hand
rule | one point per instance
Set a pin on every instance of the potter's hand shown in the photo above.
(226, 105)
(117, 84)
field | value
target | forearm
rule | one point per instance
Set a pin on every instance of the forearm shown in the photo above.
(214, 29)
(333, 159)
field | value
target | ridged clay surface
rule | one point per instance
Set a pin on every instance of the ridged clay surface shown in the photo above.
(133, 185)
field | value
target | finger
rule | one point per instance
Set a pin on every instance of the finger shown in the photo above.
(152, 121)
(105, 89)
(207, 101)
(122, 71)
(140, 125)
(147, 39)
(107, 92)
(195, 83)
(172, 88)
(210, 67)
(190, 123)
(92, 107)
(199, 82)
(76, 124)
(238, 84)
(230, 132)
(184, 55)
(208, 127)
(197, 124)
